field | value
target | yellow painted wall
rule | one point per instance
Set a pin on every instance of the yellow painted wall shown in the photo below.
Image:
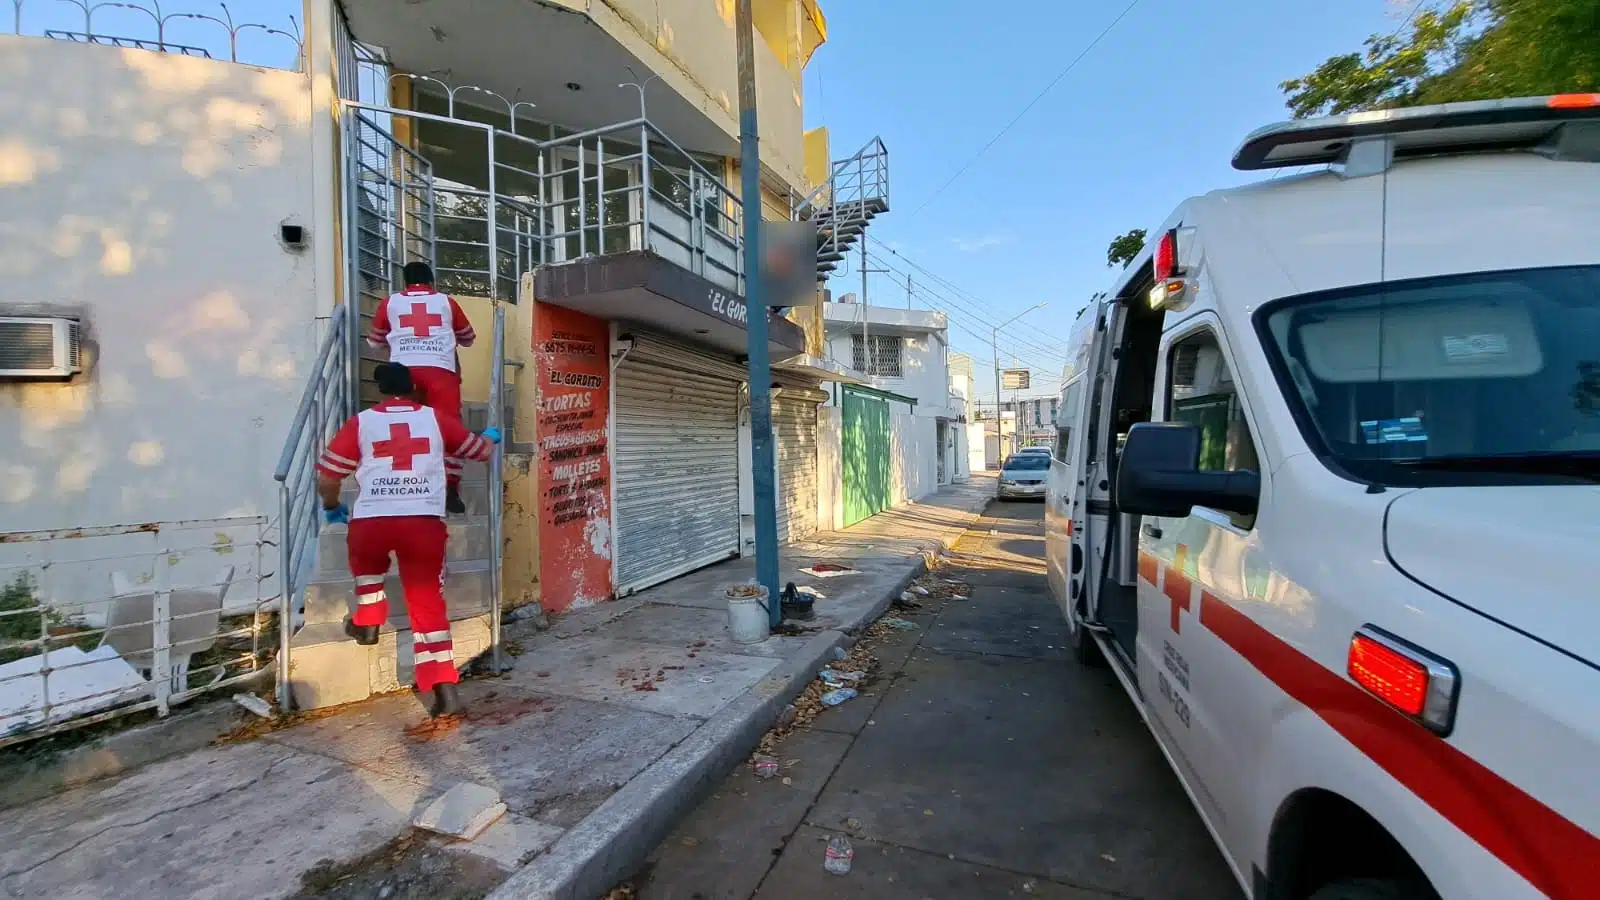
(520, 572)
(819, 161)
(691, 44)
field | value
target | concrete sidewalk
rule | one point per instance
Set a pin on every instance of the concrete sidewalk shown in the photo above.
(611, 726)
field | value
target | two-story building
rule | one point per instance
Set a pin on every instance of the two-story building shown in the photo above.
(903, 431)
(209, 218)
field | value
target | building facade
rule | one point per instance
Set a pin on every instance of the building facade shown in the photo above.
(219, 229)
(899, 359)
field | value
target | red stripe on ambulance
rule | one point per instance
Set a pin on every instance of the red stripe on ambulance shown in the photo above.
(1554, 854)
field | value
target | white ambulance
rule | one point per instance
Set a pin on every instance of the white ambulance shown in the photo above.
(1326, 498)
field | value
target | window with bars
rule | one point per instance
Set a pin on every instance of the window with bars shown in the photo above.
(887, 353)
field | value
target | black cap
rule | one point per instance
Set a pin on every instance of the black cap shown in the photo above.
(394, 380)
(418, 273)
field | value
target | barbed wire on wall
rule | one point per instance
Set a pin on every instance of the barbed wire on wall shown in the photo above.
(160, 21)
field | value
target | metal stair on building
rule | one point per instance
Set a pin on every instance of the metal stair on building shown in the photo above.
(856, 192)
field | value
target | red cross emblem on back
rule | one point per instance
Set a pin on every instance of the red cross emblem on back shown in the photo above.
(420, 321)
(401, 448)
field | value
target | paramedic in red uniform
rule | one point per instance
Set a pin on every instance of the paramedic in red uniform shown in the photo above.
(422, 329)
(397, 452)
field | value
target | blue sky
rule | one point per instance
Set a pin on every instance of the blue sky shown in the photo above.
(1150, 116)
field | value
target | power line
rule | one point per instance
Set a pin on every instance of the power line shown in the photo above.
(960, 323)
(1031, 104)
(975, 309)
(952, 312)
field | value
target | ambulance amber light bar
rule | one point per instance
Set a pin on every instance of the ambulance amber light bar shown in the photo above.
(1521, 122)
(1411, 680)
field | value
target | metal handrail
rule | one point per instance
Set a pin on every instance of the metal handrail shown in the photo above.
(327, 401)
(497, 382)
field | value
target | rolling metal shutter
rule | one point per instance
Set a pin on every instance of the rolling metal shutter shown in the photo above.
(794, 431)
(677, 462)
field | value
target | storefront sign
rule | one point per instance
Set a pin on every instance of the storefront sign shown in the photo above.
(571, 352)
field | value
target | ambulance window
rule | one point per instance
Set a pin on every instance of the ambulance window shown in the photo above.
(1066, 418)
(1201, 391)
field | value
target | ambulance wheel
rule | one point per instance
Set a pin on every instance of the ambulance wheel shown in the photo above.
(1371, 889)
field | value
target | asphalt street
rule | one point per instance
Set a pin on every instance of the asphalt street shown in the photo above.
(981, 762)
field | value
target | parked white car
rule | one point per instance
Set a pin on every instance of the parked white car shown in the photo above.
(1023, 476)
(1342, 563)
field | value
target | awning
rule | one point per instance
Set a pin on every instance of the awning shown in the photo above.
(644, 289)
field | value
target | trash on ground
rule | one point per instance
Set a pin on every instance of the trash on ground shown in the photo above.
(840, 679)
(1108, 857)
(960, 598)
(838, 857)
(766, 768)
(254, 704)
(462, 812)
(839, 653)
(898, 623)
(787, 780)
(838, 696)
(828, 570)
(920, 590)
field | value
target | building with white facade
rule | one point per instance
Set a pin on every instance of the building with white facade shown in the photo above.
(916, 441)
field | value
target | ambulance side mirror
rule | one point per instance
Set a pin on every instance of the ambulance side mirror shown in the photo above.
(1159, 475)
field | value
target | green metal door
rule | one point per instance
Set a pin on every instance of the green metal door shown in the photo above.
(865, 446)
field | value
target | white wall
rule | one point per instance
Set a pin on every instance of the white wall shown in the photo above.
(923, 363)
(913, 457)
(830, 470)
(976, 448)
(144, 192)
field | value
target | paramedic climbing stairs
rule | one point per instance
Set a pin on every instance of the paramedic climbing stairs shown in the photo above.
(856, 192)
(326, 667)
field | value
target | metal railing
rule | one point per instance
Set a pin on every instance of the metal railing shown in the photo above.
(497, 406)
(857, 189)
(329, 399)
(181, 33)
(608, 190)
(181, 616)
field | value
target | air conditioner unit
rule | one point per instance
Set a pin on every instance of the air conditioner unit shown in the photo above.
(39, 347)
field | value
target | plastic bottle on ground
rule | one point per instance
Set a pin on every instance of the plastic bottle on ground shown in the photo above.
(838, 857)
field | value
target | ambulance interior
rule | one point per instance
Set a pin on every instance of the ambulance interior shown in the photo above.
(1132, 371)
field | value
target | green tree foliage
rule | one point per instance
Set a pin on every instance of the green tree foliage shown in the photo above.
(1125, 248)
(1460, 50)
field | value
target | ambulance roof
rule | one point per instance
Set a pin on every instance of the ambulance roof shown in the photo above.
(1468, 187)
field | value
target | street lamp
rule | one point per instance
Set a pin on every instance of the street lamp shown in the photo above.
(85, 5)
(994, 345)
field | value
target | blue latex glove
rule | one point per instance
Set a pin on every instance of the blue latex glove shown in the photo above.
(492, 435)
(338, 515)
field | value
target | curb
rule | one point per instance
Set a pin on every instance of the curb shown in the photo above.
(610, 843)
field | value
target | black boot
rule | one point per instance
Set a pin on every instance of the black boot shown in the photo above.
(453, 504)
(365, 635)
(446, 700)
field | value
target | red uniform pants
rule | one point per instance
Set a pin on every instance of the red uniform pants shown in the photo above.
(418, 542)
(441, 390)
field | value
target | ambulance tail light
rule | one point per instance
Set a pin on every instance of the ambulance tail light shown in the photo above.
(1170, 290)
(1412, 680)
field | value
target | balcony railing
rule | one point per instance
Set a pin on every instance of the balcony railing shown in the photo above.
(524, 202)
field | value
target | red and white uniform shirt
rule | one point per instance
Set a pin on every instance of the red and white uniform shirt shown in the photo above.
(422, 327)
(397, 450)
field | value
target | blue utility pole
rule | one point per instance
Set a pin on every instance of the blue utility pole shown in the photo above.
(755, 297)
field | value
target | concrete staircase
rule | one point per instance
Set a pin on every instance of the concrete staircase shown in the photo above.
(327, 668)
